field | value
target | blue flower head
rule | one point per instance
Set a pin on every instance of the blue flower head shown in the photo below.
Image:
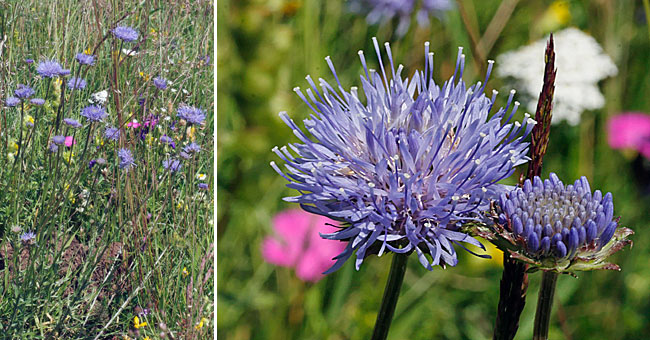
(12, 101)
(50, 69)
(560, 227)
(72, 123)
(192, 148)
(406, 166)
(126, 159)
(85, 59)
(125, 33)
(160, 83)
(172, 165)
(191, 114)
(37, 101)
(381, 11)
(58, 140)
(112, 133)
(23, 91)
(27, 236)
(168, 140)
(76, 83)
(94, 113)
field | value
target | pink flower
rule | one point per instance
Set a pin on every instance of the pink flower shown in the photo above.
(69, 141)
(134, 124)
(299, 245)
(630, 131)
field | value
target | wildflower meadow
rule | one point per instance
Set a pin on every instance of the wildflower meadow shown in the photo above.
(432, 169)
(106, 197)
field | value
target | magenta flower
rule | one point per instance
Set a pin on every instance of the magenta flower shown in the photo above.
(299, 245)
(69, 141)
(134, 124)
(630, 131)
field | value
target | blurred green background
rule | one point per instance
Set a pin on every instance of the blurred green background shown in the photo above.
(265, 48)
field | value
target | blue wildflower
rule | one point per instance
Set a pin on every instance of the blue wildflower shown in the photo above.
(58, 140)
(126, 159)
(94, 113)
(160, 83)
(72, 123)
(561, 228)
(172, 165)
(406, 168)
(12, 101)
(191, 114)
(99, 161)
(184, 155)
(382, 11)
(37, 101)
(125, 33)
(192, 148)
(49, 69)
(168, 140)
(85, 59)
(24, 91)
(203, 186)
(29, 61)
(28, 236)
(112, 133)
(76, 83)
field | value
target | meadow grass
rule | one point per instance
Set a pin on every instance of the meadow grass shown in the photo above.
(110, 244)
(267, 48)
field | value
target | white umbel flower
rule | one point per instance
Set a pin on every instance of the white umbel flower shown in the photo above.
(581, 64)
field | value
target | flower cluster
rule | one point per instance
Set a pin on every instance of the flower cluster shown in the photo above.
(560, 228)
(380, 11)
(94, 113)
(125, 33)
(191, 114)
(406, 168)
(51, 69)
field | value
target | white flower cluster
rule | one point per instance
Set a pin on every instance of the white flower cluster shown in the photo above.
(581, 64)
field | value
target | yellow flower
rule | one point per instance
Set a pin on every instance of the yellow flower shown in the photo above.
(185, 273)
(560, 10)
(58, 81)
(30, 119)
(88, 51)
(200, 325)
(145, 76)
(146, 338)
(137, 324)
(190, 133)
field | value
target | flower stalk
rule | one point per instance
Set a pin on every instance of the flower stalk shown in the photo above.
(391, 294)
(544, 305)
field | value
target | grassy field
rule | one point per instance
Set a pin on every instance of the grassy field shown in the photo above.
(267, 48)
(92, 246)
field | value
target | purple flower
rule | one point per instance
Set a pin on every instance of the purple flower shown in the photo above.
(382, 11)
(29, 61)
(24, 91)
(37, 101)
(172, 165)
(405, 164)
(203, 186)
(50, 69)
(125, 33)
(58, 140)
(12, 101)
(191, 114)
(160, 83)
(85, 59)
(192, 148)
(72, 123)
(112, 133)
(94, 113)
(76, 83)
(168, 140)
(28, 236)
(99, 161)
(558, 227)
(184, 155)
(126, 159)
(53, 148)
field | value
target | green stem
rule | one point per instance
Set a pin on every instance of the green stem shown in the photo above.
(391, 294)
(544, 305)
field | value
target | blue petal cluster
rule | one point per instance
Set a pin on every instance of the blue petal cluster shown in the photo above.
(405, 167)
(125, 33)
(51, 69)
(58, 140)
(94, 113)
(24, 91)
(191, 114)
(12, 101)
(72, 123)
(551, 220)
(126, 159)
(37, 101)
(381, 11)
(172, 165)
(160, 83)
(192, 148)
(76, 83)
(85, 59)
(112, 133)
